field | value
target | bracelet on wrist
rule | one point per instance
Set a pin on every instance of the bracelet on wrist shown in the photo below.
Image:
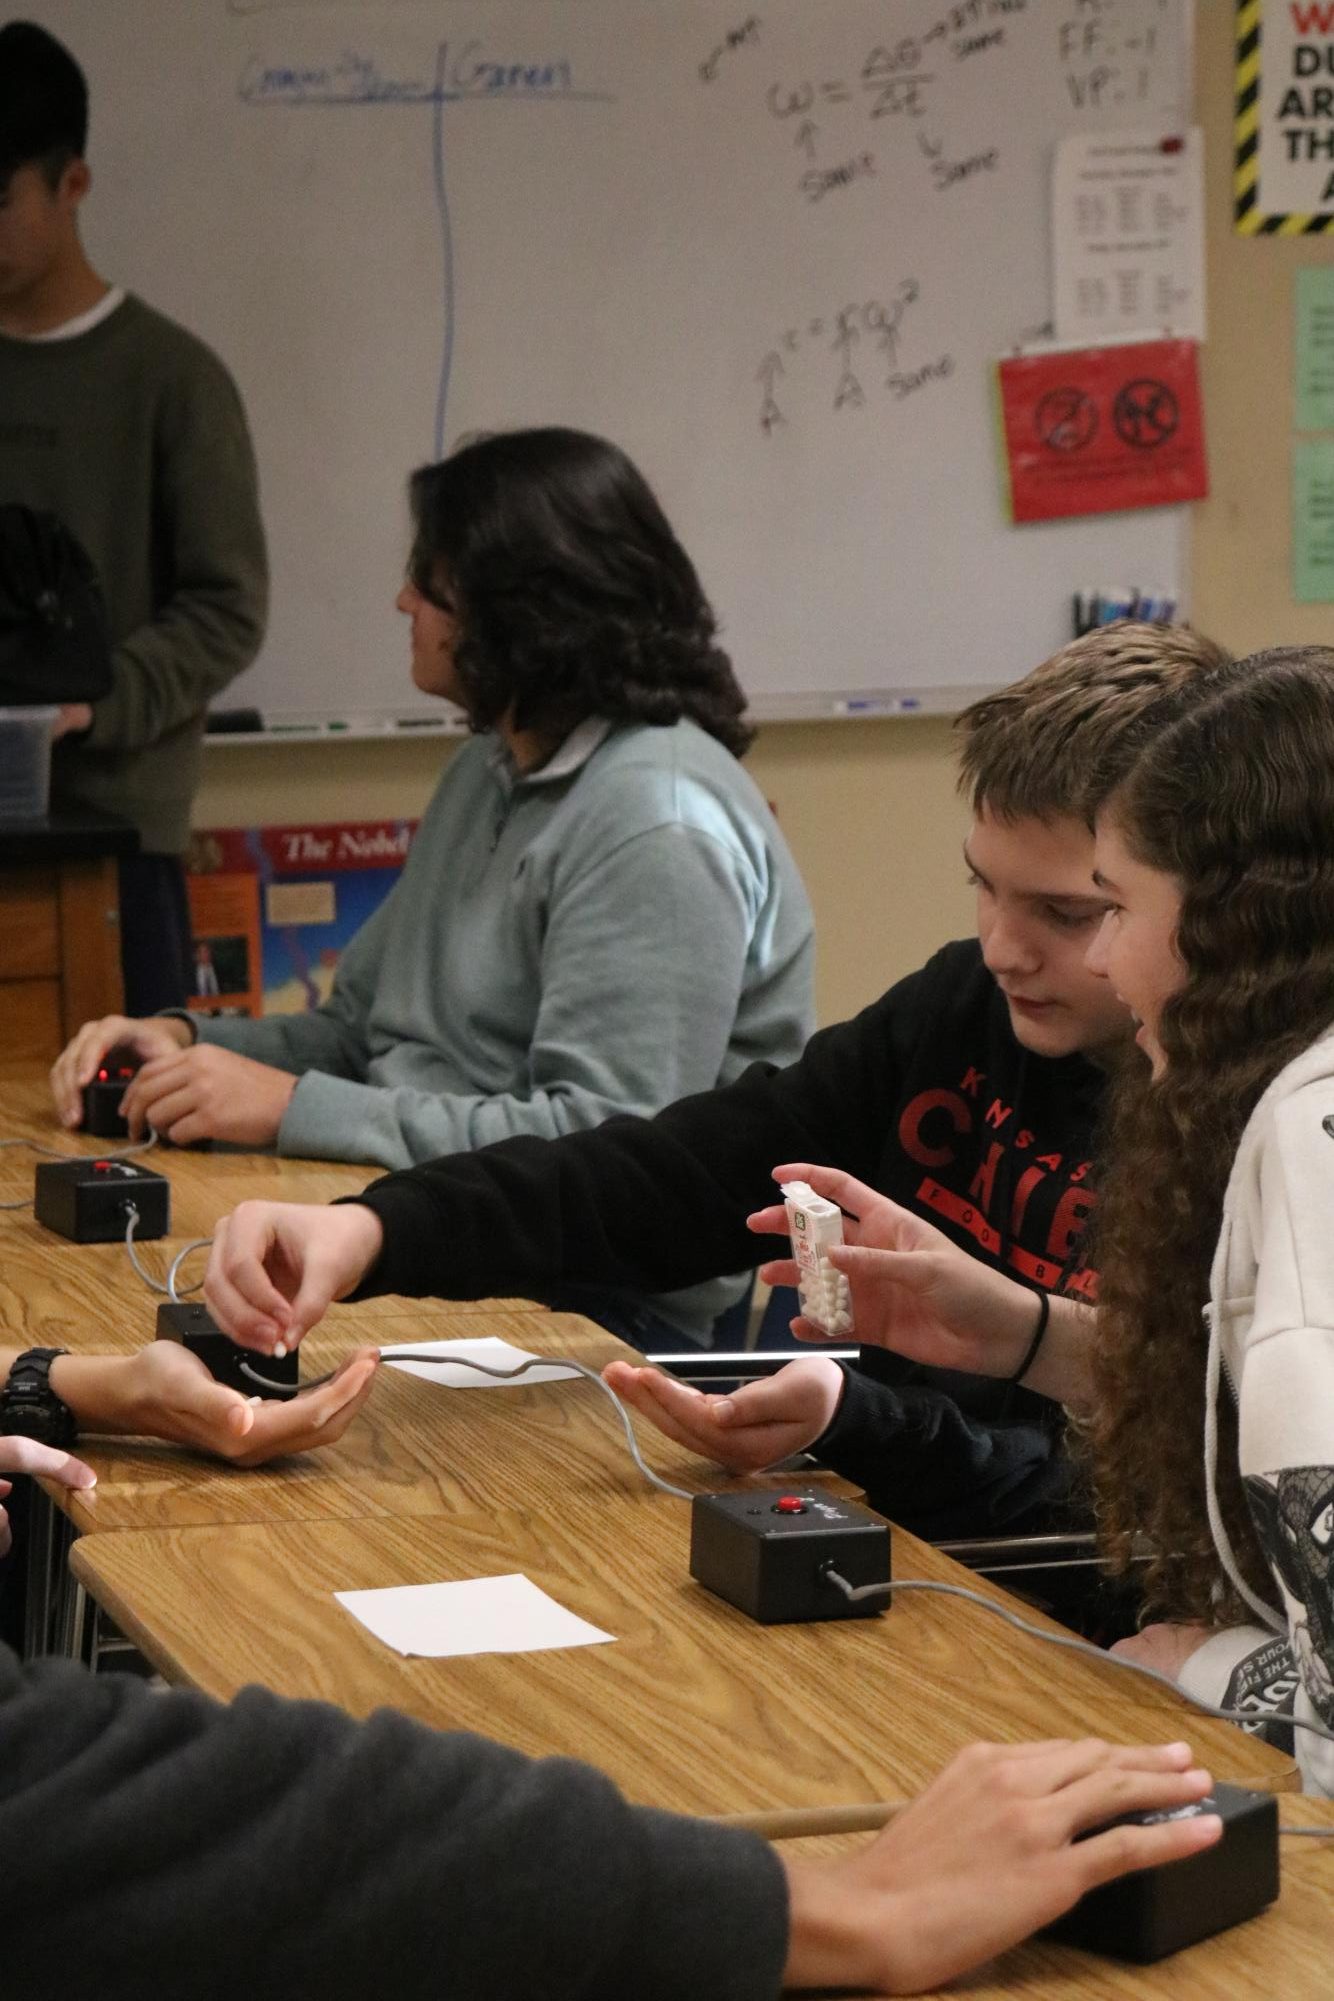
(1039, 1332)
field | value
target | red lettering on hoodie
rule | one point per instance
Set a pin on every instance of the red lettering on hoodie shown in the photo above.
(915, 1114)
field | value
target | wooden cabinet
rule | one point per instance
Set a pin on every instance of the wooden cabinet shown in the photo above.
(59, 933)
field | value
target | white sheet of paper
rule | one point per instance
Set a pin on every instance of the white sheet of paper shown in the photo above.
(479, 1615)
(1128, 234)
(496, 1354)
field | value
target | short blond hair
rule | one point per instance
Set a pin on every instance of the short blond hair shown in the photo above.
(1057, 743)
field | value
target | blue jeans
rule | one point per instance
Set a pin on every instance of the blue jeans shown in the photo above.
(155, 953)
(782, 1307)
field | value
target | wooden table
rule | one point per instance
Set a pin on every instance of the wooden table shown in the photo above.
(693, 1707)
(88, 1298)
(224, 1577)
(414, 1451)
(59, 929)
(54, 1293)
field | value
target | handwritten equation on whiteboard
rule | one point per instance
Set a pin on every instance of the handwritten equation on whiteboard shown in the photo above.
(1105, 50)
(849, 356)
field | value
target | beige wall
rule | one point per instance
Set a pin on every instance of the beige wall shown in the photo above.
(869, 806)
(1241, 544)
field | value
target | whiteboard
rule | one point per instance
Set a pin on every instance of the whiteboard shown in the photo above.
(771, 253)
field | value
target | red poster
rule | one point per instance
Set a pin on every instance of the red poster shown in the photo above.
(1103, 428)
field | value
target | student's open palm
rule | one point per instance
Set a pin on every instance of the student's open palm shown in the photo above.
(912, 1289)
(759, 1424)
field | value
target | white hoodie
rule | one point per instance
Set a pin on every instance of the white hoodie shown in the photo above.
(1271, 1331)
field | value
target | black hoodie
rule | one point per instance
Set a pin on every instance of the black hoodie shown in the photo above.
(159, 1847)
(927, 1096)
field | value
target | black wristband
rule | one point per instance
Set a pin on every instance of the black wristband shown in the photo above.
(1031, 1352)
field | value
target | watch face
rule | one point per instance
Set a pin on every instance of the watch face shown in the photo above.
(33, 1419)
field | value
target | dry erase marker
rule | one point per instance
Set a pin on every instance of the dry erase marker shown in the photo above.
(878, 705)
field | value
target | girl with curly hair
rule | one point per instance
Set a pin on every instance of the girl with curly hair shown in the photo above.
(1211, 1427)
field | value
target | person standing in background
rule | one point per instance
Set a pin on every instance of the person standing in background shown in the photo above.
(131, 431)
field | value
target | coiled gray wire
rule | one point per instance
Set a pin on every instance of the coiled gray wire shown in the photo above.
(502, 1376)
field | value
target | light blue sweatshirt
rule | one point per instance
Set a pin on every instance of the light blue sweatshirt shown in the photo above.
(606, 934)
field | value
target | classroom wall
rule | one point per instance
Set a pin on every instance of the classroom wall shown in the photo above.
(1241, 540)
(869, 807)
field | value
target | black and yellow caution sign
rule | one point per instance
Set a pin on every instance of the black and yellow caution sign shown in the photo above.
(1283, 180)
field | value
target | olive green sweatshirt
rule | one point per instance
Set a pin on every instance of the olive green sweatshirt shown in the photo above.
(134, 434)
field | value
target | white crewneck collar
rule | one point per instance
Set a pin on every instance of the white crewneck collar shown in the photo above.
(83, 322)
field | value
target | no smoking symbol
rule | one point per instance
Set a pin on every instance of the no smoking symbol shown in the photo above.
(1145, 413)
(1066, 419)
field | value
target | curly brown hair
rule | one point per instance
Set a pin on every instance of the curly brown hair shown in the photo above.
(1235, 799)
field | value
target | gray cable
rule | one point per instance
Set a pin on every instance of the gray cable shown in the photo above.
(170, 1287)
(59, 1153)
(174, 1291)
(855, 1592)
(502, 1376)
(63, 1153)
(153, 1284)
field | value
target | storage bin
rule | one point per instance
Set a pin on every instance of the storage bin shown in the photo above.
(25, 762)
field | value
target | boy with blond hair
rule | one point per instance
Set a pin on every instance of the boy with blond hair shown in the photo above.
(969, 1094)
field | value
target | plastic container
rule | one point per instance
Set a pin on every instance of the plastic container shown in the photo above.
(25, 762)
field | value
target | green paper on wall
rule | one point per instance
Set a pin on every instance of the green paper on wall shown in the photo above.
(1315, 349)
(1313, 522)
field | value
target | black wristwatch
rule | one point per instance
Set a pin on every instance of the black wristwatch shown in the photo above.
(30, 1408)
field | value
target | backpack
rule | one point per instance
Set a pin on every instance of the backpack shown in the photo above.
(55, 643)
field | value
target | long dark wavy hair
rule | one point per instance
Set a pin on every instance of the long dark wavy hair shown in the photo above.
(573, 595)
(1235, 799)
